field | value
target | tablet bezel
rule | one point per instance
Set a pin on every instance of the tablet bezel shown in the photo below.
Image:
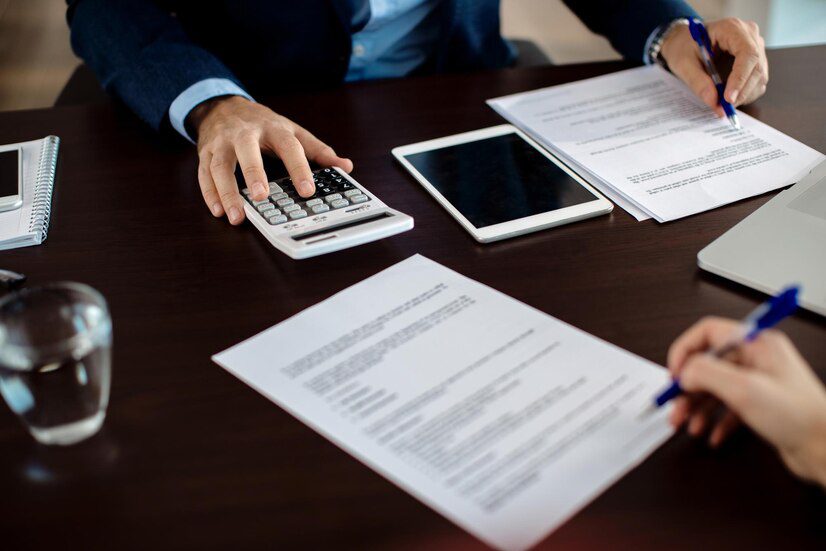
(512, 228)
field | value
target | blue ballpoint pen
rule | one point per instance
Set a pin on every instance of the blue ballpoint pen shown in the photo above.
(767, 315)
(700, 35)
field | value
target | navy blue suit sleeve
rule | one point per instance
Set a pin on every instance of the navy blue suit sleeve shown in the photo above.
(628, 23)
(140, 53)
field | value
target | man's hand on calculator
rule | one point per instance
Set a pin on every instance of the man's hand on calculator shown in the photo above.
(233, 130)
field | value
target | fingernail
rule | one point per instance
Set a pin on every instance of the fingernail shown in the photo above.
(234, 214)
(216, 209)
(733, 95)
(305, 188)
(258, 188)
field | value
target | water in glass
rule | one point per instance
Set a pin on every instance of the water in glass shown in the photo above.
(55, 353)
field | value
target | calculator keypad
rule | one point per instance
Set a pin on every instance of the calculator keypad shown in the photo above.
(332, 192)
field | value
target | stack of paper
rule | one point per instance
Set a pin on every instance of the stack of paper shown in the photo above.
(642, 138)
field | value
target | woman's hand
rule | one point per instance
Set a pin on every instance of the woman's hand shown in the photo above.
(765, 383)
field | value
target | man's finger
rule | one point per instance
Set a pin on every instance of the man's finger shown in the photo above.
(743, 66)
(248, 152)
(750, 89)
(734, 37)
(693, 73)
(758, 80)
(322, 153)
(222, 168)
(207, 186)
(292, 154)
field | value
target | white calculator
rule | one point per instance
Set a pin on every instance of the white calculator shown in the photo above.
(340, 215)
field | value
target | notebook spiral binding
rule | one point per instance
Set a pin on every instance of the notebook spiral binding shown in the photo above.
(44, 187)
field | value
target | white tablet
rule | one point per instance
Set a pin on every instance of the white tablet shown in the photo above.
(498, 183)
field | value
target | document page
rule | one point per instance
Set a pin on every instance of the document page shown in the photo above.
(642, 134)
(498, 416)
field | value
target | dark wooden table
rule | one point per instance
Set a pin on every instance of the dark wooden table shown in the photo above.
(190, 457)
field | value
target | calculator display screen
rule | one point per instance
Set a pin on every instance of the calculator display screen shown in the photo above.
(498, 179)
(8, 173)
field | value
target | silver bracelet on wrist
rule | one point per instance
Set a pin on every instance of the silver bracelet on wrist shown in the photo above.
(655, 48)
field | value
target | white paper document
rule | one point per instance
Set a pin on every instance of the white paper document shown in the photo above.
(645, 140)
(500, 417)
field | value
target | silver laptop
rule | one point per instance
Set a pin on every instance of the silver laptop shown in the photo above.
(781, 243)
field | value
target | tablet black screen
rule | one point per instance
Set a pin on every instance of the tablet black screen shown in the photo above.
(498, 179)
(9, 166)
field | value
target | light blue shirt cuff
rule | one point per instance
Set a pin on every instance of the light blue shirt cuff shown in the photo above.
(198, 93)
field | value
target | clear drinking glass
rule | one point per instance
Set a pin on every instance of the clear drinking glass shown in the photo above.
(55, 360)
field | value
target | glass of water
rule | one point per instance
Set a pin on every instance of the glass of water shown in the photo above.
(55, 360)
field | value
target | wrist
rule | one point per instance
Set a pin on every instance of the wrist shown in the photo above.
(209, 109)
(664, 39)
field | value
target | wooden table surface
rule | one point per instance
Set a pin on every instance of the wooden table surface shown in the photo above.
(190, 457)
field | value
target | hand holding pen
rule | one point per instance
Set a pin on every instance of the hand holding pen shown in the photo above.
(713, 344)
(765, 316)
(700, 35)
(735, 37)
(764, 383)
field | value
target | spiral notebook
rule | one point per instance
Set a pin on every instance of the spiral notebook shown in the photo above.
(29, 224)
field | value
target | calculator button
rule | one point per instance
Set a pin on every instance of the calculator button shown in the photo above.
(284, 202)
(278, 196)
(351, 192)
(333, 197)
(338, 203)
(319, 208)
(277, 219)
(325, 190)
(291, 208)
(265, 207)
(314, 202)
(298, 214)
(259, 203)
(275, 188)
(360, 198)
